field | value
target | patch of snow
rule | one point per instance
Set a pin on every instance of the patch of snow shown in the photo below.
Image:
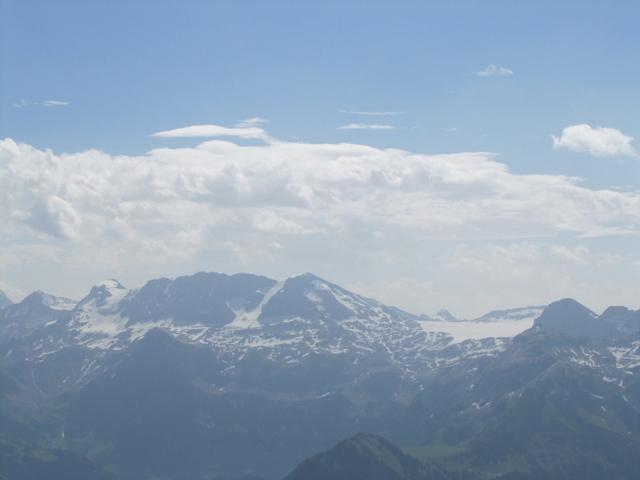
(466, 330)
(585, 357)
(315, 298)
(139, 330)
(246, 320)
(59, 303)
(627, 358)
(99, 316)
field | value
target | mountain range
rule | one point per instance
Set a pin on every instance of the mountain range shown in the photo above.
(236, 376)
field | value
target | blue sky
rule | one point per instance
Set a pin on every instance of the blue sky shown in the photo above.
(127, 69)
(132, 68)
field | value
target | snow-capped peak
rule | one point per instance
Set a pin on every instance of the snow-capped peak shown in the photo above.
(58, 303)
(111, 284)
(108, 291)
(97, 313)
(40, 298)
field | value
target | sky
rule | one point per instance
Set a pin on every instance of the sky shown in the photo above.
(467, 155)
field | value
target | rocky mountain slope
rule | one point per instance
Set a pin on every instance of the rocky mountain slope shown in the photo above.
(182, 377)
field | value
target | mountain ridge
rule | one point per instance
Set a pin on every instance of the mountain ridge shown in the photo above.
(162, 381)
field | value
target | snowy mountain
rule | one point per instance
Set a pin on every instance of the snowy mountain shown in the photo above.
(288, 325)
(559, 401)
(181, 377)
(568, 317)
(34, 311)
(235, 314)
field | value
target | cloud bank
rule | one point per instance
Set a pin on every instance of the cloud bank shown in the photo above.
(292, 189)
(300, 205)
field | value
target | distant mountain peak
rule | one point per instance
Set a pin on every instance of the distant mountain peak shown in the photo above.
(39, 298)
(306, 296)
(512, 314)
(623, 319)
(36, 310)
(111, 284)
(106, 288)
(306, 277)
(570, 317)
(33, 297)
(568, 302)
(566, 307)
(103, 297)
(205, 298)
(446, 315)
(615, 311)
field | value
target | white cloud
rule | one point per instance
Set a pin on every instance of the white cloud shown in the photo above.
(252, 122)
(247, 132)
(597, 141)
(227, 206)
(55, 103)
(492, 70)
(366, 126)
(371, 113)
(314, 187)
(46, 103)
